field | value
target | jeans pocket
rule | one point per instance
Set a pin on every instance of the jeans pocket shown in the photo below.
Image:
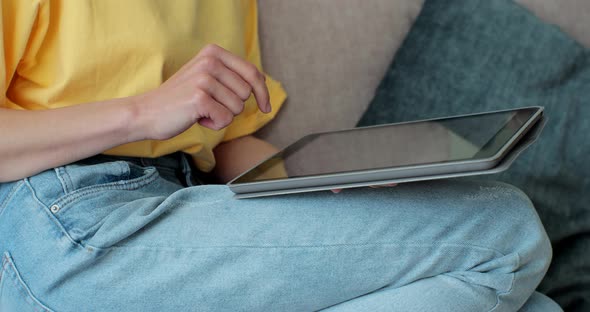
(15, 295)
(92, 193)
(80, 180)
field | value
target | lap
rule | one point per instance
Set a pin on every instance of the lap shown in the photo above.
(148, 234)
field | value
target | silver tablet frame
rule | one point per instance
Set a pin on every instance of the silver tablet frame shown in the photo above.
(496, 163)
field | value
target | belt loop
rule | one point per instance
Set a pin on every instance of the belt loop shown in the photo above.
(186, 168)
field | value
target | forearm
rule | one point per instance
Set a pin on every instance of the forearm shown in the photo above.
(209, 90)
(236, 156)
(33, 141)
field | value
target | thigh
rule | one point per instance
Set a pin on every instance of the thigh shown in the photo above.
(46, 220)
(143, 244)
(308, 251)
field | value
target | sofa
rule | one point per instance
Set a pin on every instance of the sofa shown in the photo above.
(331, 55)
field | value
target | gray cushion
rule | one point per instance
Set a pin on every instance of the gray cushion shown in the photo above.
(467, 56)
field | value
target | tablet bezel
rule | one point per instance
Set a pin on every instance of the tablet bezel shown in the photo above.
(368, 176)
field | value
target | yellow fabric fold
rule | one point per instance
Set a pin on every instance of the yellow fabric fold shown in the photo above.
(61, 53)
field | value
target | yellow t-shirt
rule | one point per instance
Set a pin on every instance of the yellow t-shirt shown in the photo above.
(57, 53)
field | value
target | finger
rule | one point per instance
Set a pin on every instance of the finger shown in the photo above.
(226, 76)
(336, 191)
(244, 69)
(233, 81)
(212, 114)
(220, 93)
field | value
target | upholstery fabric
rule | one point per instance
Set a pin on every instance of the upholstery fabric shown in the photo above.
(467, 56)
(330, 55)
(572, 16)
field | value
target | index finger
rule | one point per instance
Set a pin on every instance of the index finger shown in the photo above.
(246, 70)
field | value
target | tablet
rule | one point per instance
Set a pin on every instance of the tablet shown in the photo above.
(409, 151)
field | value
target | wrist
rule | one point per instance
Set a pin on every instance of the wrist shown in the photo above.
(137, 124)
(128, 116)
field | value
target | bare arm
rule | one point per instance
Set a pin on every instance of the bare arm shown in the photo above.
(209, 90)
(33, 141)
(237, 156)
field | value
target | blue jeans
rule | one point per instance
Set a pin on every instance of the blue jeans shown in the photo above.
(129, 235)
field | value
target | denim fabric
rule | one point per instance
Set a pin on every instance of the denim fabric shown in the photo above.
(468, 56)
(119, 236)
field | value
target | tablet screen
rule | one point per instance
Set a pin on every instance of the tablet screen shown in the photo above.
(388, 146)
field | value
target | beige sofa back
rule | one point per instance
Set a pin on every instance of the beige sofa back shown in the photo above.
(331, 54)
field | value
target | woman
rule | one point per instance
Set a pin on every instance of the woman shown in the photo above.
(109, 127)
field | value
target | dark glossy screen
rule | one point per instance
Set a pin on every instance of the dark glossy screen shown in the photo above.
(427, 142)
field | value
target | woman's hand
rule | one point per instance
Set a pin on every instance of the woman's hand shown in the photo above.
(209, 90)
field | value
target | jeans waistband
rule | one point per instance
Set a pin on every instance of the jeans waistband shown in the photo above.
(178, 162)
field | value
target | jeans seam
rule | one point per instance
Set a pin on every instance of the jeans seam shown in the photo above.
(512, 278)
(118, 185)
(160, 248)
(3, 263)
(64, 178)
(13, 191)
(45, 210)
(21, 286)
(495, 251)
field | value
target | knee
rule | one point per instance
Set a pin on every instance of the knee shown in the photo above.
(509, 224)
(526, 233)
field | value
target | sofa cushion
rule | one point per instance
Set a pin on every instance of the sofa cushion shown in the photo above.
(330, 56)
(467, 56)
(572, 16)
